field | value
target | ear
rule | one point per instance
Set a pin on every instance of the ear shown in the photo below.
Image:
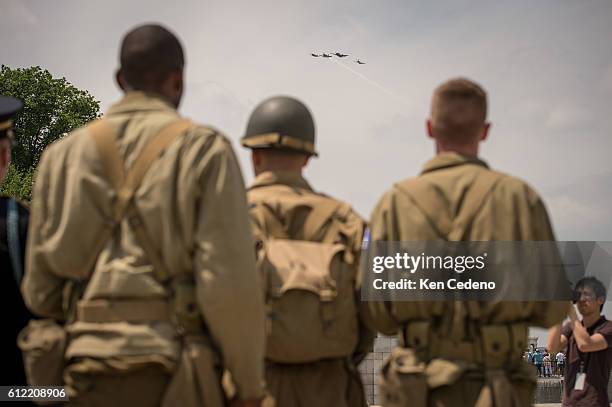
(485, 131)
(173, 87)
(306, 160)
(429, 127)
(120, 79)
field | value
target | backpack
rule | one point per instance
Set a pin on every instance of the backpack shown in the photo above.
(309, 284)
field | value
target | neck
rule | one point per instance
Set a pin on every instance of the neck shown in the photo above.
(589, 320)
(285, 170)
(155, 93)
(470, 150)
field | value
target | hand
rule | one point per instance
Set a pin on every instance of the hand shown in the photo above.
(572, 314)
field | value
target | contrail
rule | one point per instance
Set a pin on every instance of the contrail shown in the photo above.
(378, 85)
(248, 105)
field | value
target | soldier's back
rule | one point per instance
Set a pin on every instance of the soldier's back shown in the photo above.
(319, 370)
(471, 338)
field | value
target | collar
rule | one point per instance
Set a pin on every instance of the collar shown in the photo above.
(290, 179)
(451, 159)
(138, 101)
(602, 319)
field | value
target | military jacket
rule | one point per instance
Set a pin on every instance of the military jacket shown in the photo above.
(192, 203)
(278, 191)
(512, 211)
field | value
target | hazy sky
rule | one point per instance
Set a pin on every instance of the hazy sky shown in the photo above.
(547, 67)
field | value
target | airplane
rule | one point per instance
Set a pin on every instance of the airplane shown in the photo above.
(326, 55)
(360, 63)
(315, 55)
(340, 55)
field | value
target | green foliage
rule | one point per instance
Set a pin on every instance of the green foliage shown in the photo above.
(18, 183)
(52, 107)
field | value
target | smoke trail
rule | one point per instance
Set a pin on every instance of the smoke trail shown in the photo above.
(370, 81)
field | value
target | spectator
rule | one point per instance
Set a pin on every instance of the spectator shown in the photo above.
(588, 344)
(547, 365)
(538, 359)
(560, 362)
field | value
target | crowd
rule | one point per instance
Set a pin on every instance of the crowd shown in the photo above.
(546, 364)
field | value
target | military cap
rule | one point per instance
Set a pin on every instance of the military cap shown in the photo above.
(8, 107)
(283, 123)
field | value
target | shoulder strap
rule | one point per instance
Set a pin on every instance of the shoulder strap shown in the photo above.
(126, 184)
(321, 213)
(436, 210)
(475, 198)
(12, 237)
(268, 221)
(431, 205)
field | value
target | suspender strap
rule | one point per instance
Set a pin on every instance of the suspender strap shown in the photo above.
(431, 203)
(436, 209)
(12, 237)
(126, 185)
(319, 216)
(473, 202)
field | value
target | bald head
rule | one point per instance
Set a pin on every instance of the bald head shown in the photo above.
(458, 112)
(151, 56)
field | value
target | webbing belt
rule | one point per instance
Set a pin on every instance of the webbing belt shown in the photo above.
(493, 346)
(123, 310)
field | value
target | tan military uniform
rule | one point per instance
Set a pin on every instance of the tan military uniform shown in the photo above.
(192, 203)
(465, 357)
(330, 382)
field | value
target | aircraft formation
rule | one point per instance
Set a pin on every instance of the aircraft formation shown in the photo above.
(338, 54)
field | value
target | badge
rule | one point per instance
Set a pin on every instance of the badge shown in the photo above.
(580, 379)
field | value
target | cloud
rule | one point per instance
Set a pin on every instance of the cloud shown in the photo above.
(15, 13)
(566, 117)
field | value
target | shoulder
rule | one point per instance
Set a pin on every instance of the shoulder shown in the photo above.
(509, 186)
(400, 190)
(344, 212)
(61, 151)
(605, 328)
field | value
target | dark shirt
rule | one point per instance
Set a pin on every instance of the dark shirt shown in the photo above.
(596, 366)
(17, 315)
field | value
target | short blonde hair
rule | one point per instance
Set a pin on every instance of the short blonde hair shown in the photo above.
(458, 110)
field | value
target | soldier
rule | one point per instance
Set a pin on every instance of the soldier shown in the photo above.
(308, 246)
(13, 234)
(160, 261)
(456, 184)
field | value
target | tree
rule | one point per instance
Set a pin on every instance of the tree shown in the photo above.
(52, 107)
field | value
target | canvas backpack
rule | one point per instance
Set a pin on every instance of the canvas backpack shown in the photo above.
(308, 280)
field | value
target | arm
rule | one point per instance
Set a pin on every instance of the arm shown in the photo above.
(41, 289)
(228, 288)
(377, 315)
(556, 341)
(367, 335)
(584, 341)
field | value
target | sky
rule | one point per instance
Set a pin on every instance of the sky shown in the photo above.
(546, 65)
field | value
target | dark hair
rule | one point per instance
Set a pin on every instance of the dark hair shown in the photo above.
(594, 284)
(148, 53)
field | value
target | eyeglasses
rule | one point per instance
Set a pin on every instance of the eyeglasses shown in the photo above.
(584, 296)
